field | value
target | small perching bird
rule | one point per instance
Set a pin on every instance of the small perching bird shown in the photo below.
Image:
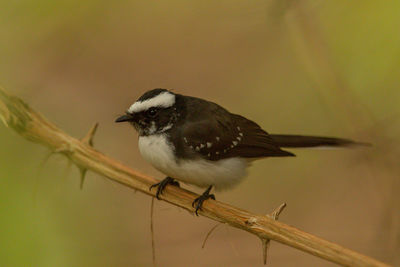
(201, 143)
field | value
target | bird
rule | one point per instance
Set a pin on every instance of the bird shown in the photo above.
(198, 142)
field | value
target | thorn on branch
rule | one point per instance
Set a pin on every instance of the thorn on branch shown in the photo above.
(275, 214)
(88, 140)
(83, 172)
(67, 149)
(266, 242)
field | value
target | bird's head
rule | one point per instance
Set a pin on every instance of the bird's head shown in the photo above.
(153, 113)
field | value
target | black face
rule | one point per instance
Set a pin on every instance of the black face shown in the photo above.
(153, 113)
(155, 120)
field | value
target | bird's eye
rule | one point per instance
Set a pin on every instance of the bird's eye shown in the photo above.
(152, 112)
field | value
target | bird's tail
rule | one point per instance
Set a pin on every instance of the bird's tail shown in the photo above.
(283, 140)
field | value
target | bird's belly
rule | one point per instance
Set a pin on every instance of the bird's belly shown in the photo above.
(222, 174)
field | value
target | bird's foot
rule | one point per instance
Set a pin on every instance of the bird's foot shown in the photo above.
(198, 202)
(161, 185)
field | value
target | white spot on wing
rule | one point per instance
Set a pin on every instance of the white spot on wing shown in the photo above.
(217, 138)
(209, 144)
(165, 100)
(235, 143)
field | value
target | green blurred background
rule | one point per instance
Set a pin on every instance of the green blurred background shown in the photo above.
(307, 67)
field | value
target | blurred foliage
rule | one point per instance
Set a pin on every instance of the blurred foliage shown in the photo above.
(307, 67)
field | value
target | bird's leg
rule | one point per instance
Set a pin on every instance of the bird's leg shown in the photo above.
(161, 185)
(198, 202)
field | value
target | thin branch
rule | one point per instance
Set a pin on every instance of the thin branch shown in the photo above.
(33, 126)
(209, 233)
(153, 246)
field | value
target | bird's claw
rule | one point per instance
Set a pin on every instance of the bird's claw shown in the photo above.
(161, 185)
(198, 202)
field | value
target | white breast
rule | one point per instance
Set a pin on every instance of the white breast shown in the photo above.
(221, 174)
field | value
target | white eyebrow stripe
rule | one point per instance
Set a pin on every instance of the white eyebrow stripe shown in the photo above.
(165, 99)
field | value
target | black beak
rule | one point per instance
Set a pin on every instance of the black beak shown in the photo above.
(123, 118)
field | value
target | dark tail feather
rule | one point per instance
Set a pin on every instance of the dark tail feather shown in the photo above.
(283, 140)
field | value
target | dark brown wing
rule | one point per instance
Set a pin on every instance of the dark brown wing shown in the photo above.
(228, 135)
(255, 142)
